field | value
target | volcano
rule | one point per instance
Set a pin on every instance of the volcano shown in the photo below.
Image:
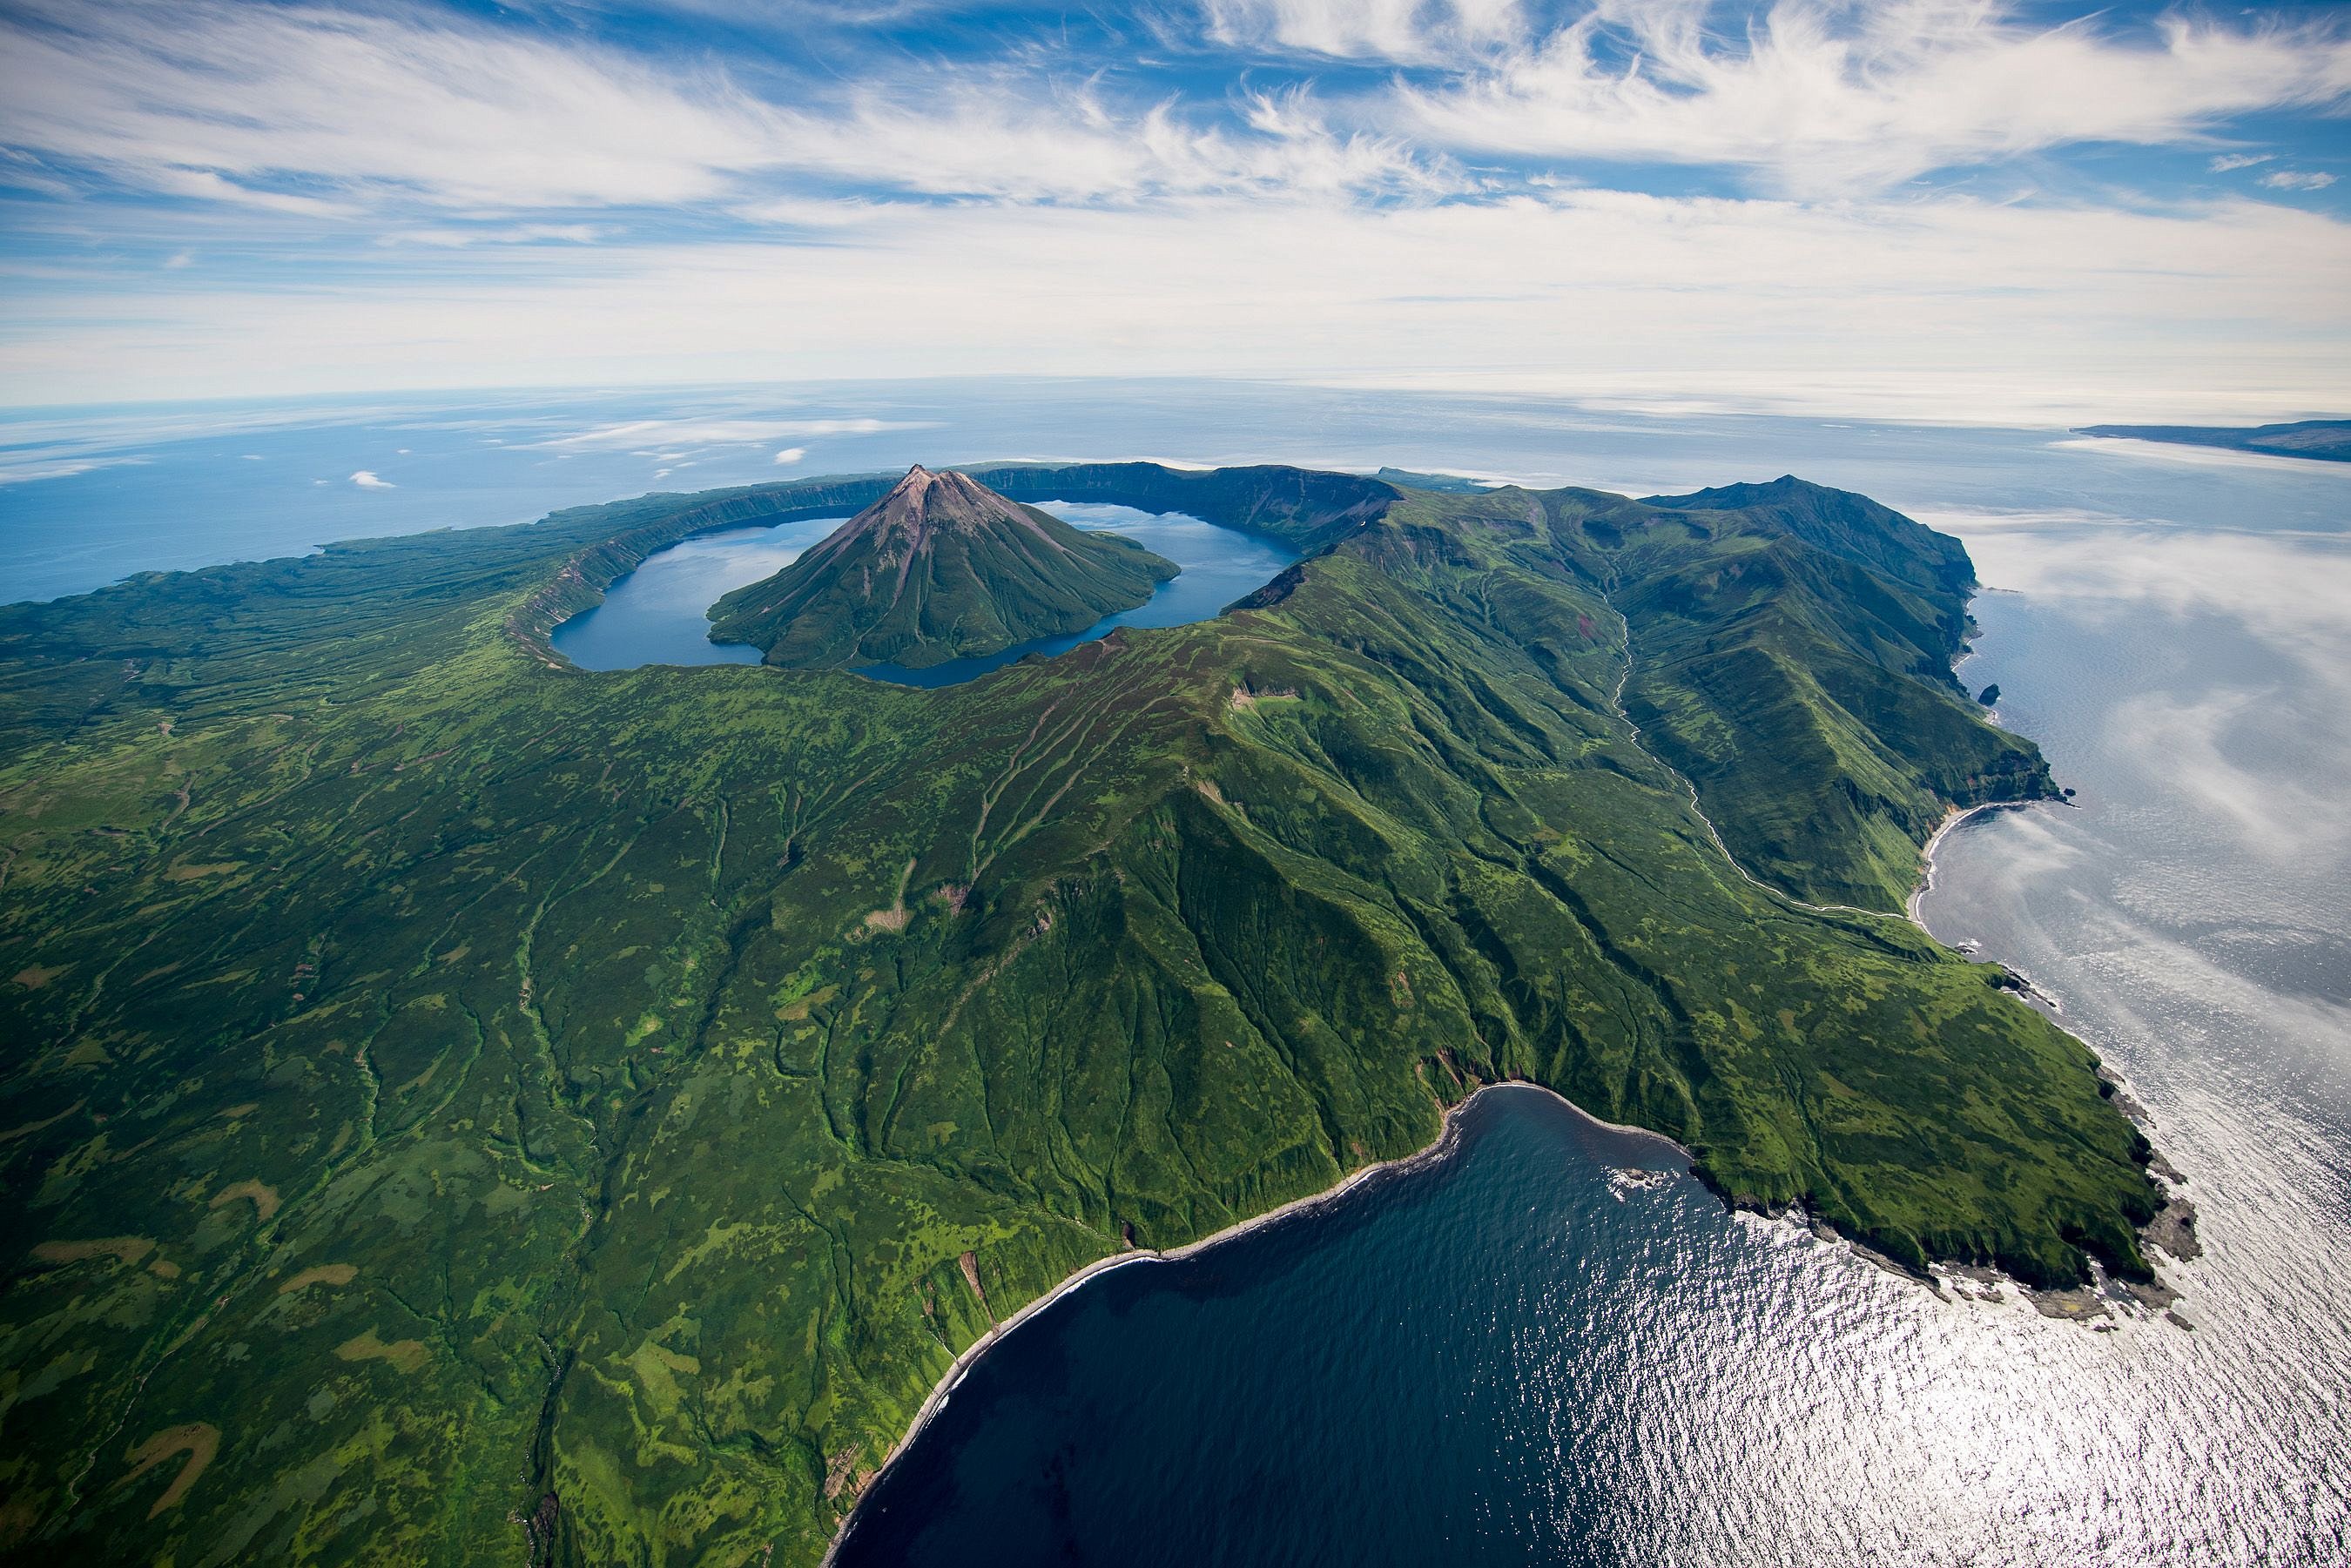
(941, 567)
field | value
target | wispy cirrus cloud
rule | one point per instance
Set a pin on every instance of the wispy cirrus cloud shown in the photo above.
(253, 103)
(322, 112)
(673, 434)
(1399, 30)
(1832, 95)
(449, 239)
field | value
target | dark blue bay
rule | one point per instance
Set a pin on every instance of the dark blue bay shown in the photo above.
(1361, 1382)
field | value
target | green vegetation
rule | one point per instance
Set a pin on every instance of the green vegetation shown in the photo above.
(940, 569)
(2326, 439)
(457, 1107)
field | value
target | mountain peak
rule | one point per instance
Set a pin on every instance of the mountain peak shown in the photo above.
(941, 566)
(926, 502)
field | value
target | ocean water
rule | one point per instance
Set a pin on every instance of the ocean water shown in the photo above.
(1516, 1353)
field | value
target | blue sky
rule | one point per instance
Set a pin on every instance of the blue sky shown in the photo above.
(1931, 208)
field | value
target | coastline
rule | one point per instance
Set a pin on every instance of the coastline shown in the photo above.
(1446, 1140)
(2173, 1229)
(1952, 818)
(2078, 1304)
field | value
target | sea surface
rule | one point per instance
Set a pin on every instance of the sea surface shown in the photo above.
(1518, 1353)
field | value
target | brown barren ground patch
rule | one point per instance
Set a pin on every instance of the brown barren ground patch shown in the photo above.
(33, 977)
(336, 1274)
(198, 1440)
(969, 1263)
(264, 1197)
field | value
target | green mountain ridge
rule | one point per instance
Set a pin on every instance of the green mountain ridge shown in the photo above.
(457, 1105)
(939, 568)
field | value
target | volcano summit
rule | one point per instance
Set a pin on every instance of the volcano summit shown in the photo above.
(941, 567)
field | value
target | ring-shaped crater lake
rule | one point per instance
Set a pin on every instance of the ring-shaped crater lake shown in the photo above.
(660, 613)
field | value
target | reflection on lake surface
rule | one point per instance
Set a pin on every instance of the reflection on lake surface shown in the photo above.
(1494, 1359)
(659, 613)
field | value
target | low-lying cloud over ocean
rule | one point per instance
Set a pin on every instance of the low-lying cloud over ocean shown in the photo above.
(2215, 735)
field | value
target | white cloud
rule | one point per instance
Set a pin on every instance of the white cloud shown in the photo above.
(1943, 308)
(1830, 95)
(675, 436)
(205, 98)
(2297, 179)
(321, 113)
(366, 479)
(1007, 220)
(790, 455)
(995, 136)
(2180, 454)
(17, 469)
(1400, 30)
(2286, 593)
(2227, 162)
(505, 234)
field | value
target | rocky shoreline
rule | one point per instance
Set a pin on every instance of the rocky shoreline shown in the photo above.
(2172, 1231)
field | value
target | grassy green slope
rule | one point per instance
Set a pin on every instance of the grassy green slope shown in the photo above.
(1793, 647)
(440, 1079)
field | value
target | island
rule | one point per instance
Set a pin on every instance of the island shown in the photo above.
(940, 568)
(461, 1107)
(2326, 440)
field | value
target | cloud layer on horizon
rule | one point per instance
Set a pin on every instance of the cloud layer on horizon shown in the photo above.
(215, 196)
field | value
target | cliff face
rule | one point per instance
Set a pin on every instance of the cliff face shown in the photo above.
(940, 568)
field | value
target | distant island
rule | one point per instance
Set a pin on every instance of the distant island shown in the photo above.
(461, 1107)
(2327, 440)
